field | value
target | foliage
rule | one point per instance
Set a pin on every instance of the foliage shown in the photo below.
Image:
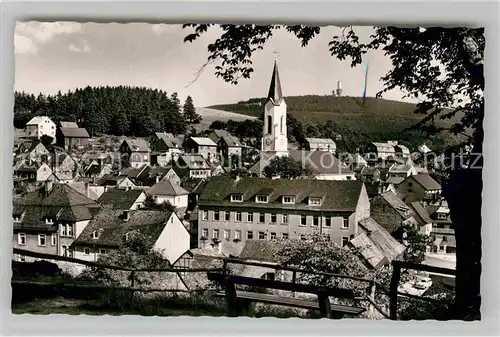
(287, 168)
(46, 140)
(133, 253)
(416, 244)
(318, 254)
(190, 114)
(122, 110)
(150, 203)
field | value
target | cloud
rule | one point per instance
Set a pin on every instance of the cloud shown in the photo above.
(24, 45)
(163, 28)
(39, 33)
(84, 49)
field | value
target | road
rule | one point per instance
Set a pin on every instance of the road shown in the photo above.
(437, 262)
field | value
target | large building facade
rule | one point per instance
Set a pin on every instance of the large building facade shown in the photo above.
(259, 208)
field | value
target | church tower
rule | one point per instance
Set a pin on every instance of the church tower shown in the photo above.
(274, 140)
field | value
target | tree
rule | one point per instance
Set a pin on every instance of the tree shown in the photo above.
(443, 67)
(286, 168)
(150, 203)
(218, 125)
(135, 252)
(190, 112)
(416, 244)
(46, 140)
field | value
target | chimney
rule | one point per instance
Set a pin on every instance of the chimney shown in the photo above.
(157, 178)
(126, 215)
(87, 189)
(48, 186)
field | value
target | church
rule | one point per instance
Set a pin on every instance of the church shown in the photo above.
(275, 140)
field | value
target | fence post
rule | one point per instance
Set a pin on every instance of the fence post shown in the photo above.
(324, 305)
(132, 281)
(294, 280)
(393, 305)
(231, 298)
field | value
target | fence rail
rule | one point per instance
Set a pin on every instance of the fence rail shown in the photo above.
(392, 291)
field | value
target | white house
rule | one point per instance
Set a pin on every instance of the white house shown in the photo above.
(320, 144)
(163, 231)
(39, 126)
(167, 191)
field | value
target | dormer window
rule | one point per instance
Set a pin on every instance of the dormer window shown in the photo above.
(262, 198)
(95, 235)
(442, 216)
(127, 236)
(49, 221)
(236, 197)
(17, 219)
(288, 200)
(314, 201)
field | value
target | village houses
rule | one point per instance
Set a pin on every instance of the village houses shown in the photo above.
(39, 126)
(135, 152)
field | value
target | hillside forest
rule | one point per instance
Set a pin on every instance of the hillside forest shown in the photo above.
(139, 112)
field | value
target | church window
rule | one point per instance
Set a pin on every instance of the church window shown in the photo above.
(269, 124)
(281, 124)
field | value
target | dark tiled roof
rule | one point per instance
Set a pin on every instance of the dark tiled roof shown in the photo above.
(231, 141)
(193, 185)
(259, 250)
(339, 195)
(137, 144)
(320, 161)
(166, 187)
(400, 168)
(426, 181)
(392, 199)
(112, 228)
(422, 216)
(394, 180)
(62, 204)
(120, 198)
(384, 241)
(68, 124)
(169, 139)
(132, 172)
(193, 162)
(75, 133)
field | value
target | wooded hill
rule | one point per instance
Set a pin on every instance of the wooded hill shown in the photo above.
(377, 120)
(123, 110)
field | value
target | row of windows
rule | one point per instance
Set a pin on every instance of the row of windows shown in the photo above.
(237, 234)
(273, 218)
(42, 239)
(344, 240)
(86, 251)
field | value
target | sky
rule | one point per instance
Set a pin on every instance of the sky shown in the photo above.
(68, 55)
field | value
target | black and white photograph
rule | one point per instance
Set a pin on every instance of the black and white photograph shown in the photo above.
(228, 170)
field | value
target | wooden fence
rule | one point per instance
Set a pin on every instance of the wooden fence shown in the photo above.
(392, 292)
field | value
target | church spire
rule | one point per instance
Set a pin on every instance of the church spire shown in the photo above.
(275, 94)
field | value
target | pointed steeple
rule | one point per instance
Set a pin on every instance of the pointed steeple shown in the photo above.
(275, 94)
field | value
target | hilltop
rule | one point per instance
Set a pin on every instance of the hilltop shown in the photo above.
(378, 120)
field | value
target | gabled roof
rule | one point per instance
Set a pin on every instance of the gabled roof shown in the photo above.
(259, 250)
(169, 139)
(120, 198)
(62, 203)
(81, 187)
(137, 144)
(193, 185)
(194, 162)
(275, 94)
(397, 168)
(395, 202)
(231, 141)
(426, 181)
(38, 120)
(421, 214)
(203, 141)
(394, 180)
(112, 228)
(26, 167)
(166, 187)
(381, 244)
(68, 125)
(75, 133)
(339, 195)
(403, 148)
(320, 140)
